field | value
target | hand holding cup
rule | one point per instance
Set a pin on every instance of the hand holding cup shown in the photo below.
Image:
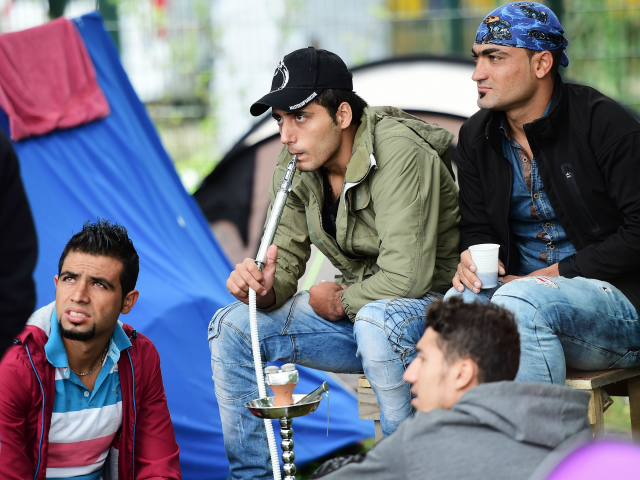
(480, 269)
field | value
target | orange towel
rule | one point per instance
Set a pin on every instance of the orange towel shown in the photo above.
(47, 80)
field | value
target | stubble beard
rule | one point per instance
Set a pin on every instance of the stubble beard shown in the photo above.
(307, 167)
(76, 335)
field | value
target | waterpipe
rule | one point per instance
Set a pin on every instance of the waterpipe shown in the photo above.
(283, 405)
(261, 257)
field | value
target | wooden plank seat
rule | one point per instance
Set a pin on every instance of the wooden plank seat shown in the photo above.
(602, 384)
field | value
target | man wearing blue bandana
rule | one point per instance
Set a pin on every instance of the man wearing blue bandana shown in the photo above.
(550, 172)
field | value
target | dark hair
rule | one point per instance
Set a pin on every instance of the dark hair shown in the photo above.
(485, 333)
(103, 238)
(556, 55)
(332, 98)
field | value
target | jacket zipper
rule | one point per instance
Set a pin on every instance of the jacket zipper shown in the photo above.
(134, 334)
(573, 188)
(321, 205)
(43, 404)
(347, 186)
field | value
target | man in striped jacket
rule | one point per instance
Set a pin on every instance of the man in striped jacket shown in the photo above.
(81, 393)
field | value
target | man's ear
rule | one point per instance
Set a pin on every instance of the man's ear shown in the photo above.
(543, 62)
(129, 301)
(344, 115)
(466, 374)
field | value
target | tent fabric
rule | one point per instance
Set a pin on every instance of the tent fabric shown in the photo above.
(116, 168)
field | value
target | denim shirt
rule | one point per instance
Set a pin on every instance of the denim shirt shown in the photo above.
(540, 239)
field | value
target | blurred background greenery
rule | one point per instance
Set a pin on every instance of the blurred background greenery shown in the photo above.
(199, 64)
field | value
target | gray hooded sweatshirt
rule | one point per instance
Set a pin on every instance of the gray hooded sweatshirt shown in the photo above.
(496, 431)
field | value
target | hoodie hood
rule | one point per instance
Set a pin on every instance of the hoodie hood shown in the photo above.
(41, 318)
(436, 136)
(534, 413)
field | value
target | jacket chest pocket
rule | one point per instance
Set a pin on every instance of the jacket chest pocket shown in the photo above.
(572, 186)
(361, 223)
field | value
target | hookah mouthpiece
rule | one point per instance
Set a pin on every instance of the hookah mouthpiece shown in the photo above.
(276, 212)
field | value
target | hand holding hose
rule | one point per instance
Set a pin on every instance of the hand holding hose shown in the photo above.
(247, 275)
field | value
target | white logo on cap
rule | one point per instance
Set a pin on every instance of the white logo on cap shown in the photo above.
(304, 102)
(282, 70)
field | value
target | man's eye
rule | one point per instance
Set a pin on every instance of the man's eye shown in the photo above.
(98, 284)
(301, 118)
(278, 120)
(67, 279)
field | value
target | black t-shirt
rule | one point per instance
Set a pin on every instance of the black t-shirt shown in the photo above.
(329, 207)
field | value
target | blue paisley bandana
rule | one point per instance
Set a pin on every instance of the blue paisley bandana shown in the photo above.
(526, 25)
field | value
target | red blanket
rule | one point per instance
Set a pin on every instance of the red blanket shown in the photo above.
(47, 80)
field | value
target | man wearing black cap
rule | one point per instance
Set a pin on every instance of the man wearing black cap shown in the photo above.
(375, 193)
(549, 171)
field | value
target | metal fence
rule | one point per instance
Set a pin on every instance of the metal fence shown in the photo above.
(199, 64)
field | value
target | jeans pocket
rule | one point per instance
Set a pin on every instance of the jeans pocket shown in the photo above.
(628, 360)
(213, 330)
(214, 325)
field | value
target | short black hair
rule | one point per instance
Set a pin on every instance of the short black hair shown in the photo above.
(486, 333)
(556, 55)
(332, 98)
(109, 240)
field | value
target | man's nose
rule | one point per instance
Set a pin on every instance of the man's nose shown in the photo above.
(409, 375)
(479, 72)
(286, 133)
(80, 293)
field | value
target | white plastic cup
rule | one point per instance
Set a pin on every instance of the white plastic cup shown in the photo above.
(485, 256)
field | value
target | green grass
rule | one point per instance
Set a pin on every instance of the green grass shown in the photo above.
(617, 421)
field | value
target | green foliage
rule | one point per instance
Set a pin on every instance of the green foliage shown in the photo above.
(617, 419)
(604, 46)
(604, 38)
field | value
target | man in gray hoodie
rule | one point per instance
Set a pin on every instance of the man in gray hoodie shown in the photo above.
(473, 421)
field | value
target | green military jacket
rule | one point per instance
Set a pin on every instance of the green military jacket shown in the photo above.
(397, 224)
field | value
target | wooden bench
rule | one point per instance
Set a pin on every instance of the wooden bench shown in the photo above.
(602, 385)
(368, 408)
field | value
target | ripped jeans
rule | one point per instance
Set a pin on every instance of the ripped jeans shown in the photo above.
(381, 343)
(576, 322)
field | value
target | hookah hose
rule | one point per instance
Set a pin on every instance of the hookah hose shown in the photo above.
(265, 243)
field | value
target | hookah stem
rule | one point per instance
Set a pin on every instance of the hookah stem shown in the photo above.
(257, 363)
(267, 239)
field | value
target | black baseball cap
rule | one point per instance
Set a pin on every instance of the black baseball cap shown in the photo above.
(300, 77)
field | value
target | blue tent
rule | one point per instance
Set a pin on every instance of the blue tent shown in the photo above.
(116, 168)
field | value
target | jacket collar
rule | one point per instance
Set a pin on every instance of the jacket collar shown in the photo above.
(362, 159)
(546, 128)
(57, 354)
(40, 322)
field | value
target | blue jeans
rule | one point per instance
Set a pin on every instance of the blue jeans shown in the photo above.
(579, 322)
(381, 343)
